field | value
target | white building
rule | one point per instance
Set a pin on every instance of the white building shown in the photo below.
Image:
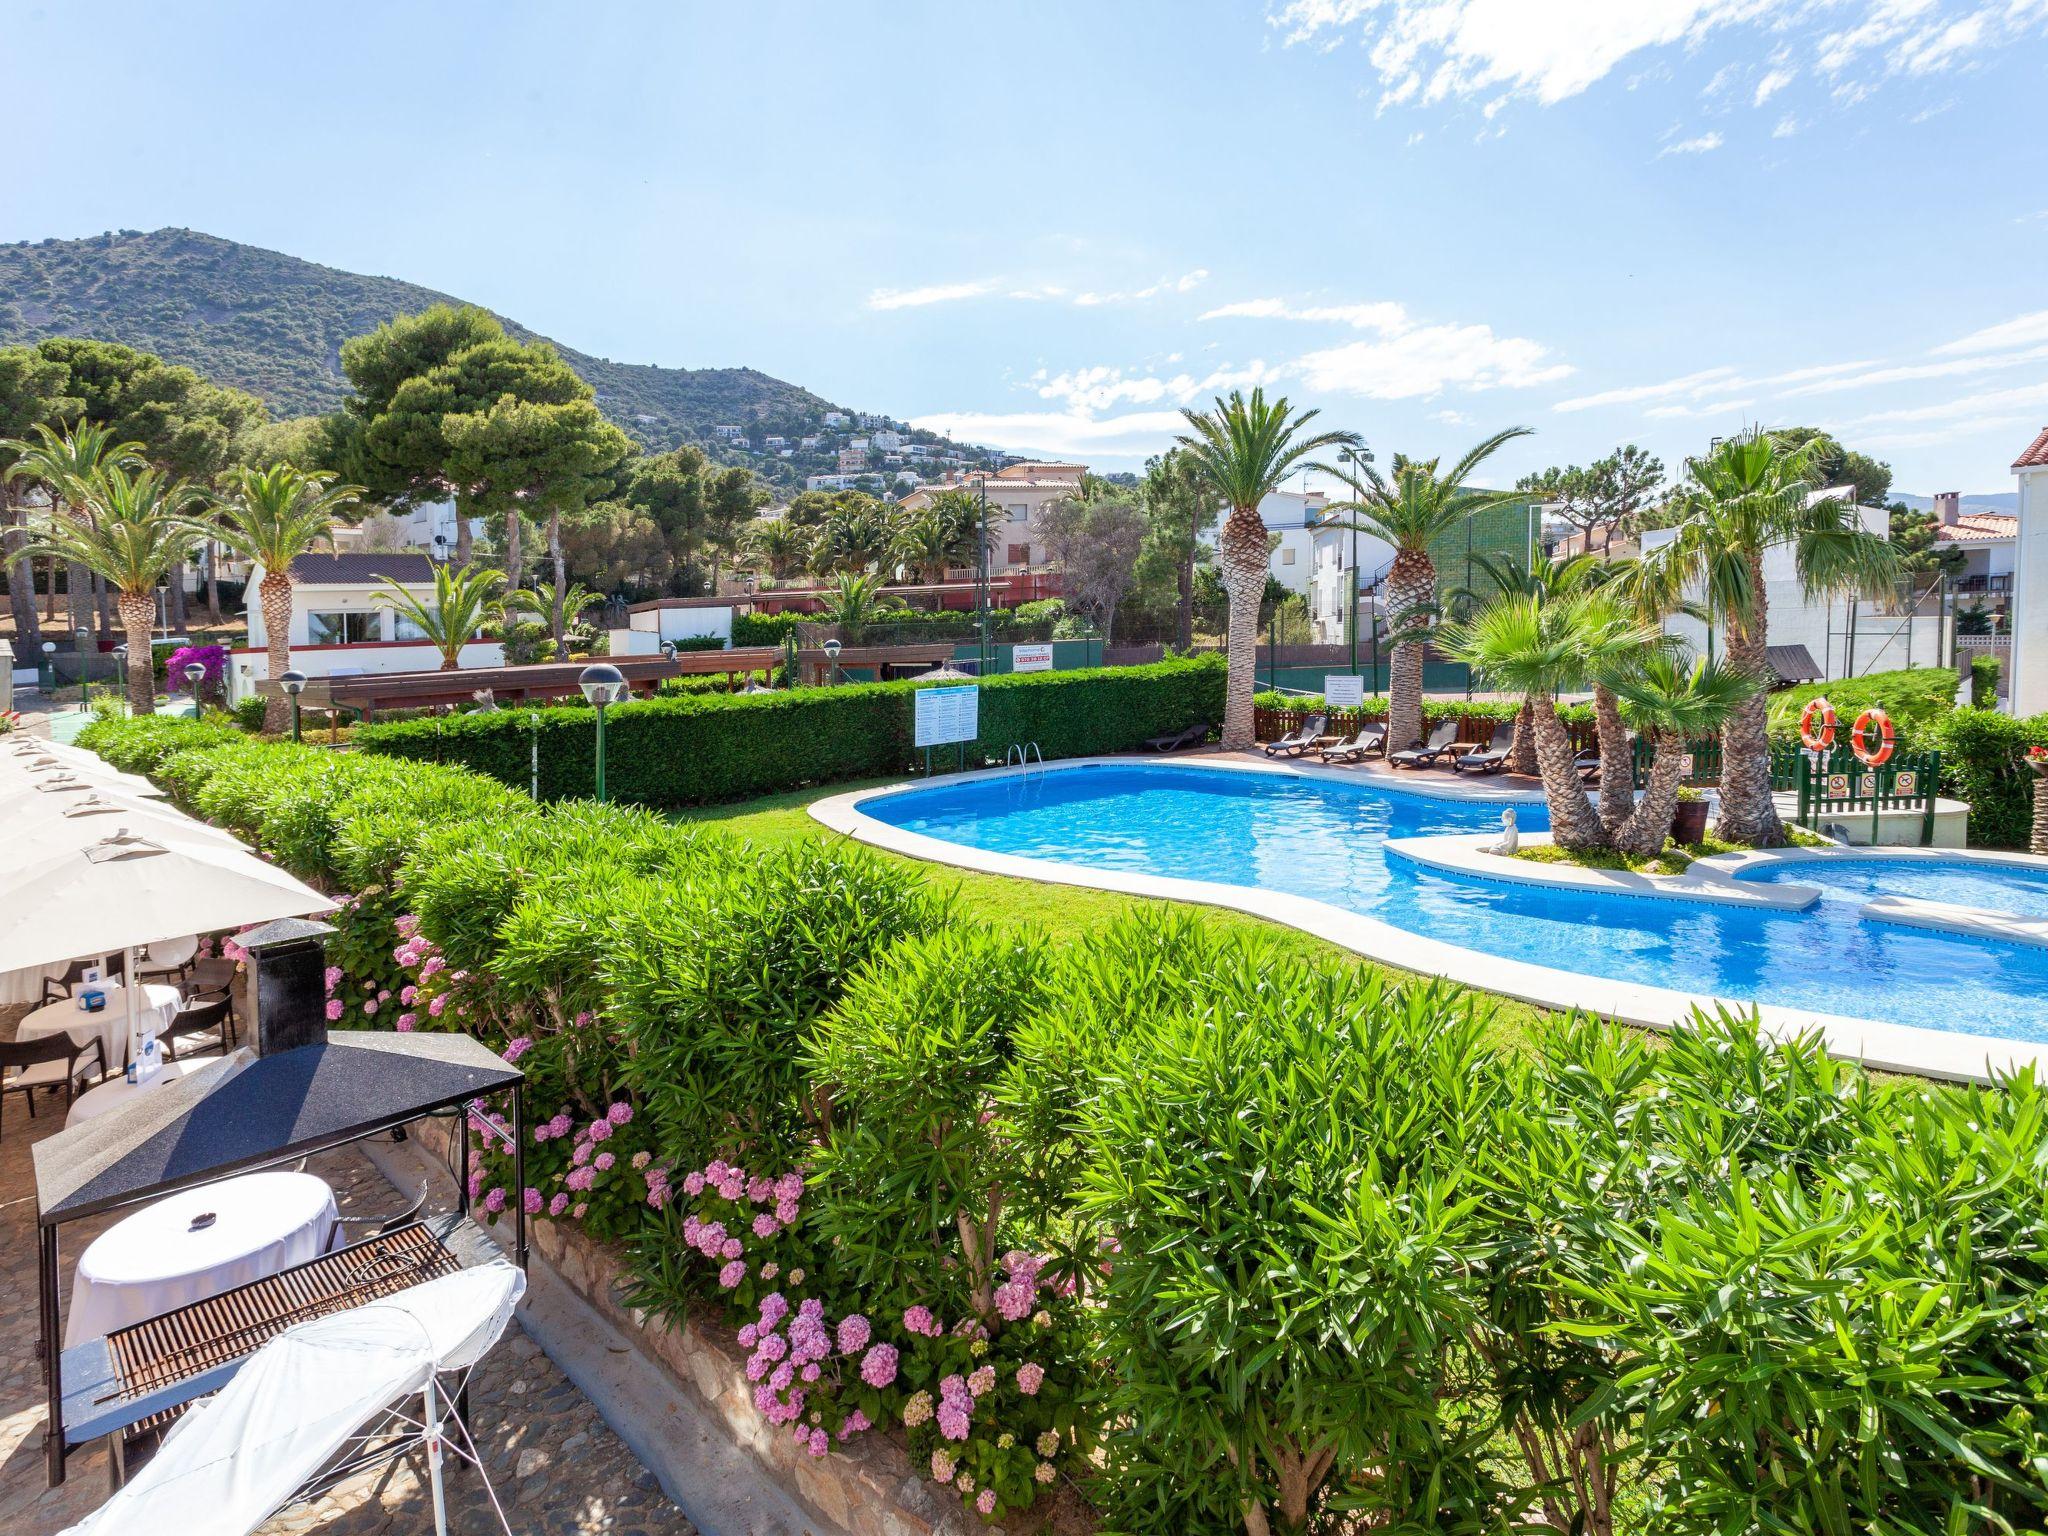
(343, 625)
(728, 433)
(1293, 515)
(835, 418)
(648, 625)
(888, 439)
(1987, 541)
(2029, 693)
(1336, 549)
(834, 482)
(1017, 496)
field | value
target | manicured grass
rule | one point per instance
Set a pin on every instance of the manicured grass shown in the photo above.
(1674, 860)
(1062, 912)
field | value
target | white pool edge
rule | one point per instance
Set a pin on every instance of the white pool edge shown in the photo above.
(1886, 1047)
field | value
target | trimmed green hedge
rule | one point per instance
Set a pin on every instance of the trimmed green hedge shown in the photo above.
(1916, 698)
(1984, 682)
(138, 745)
(1982, 754)
(697, 749)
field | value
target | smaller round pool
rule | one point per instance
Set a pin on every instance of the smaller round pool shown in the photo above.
(2011, 889)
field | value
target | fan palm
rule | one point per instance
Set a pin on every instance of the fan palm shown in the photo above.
(132, 529)
(853, 542)
(1513, 575)
(1751, 494)
(1672, 701)
(1541, 646)
(855, 602)
(775, 545)
(1244, 450)
(1410, 512)
(63, 463)
(466, 599)
(270, 517)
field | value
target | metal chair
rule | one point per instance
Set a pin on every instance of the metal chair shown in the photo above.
(26, 1065)
(207, 1025)
(381, 1226)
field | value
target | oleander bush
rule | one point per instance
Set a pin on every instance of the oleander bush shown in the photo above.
(1224, 1240)
(699, 748)
(138, 745)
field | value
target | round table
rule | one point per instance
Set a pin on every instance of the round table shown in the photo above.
(165, 1255)
(117, 1091)
(111, 1023)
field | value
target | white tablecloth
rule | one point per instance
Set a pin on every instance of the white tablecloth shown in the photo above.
(159, 1003)
(154, 1260)
(117, 1091)
(26, 986)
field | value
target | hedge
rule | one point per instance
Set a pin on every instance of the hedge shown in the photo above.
(1916, 698)
(1982, 762)
(1984, 682)
(697, 749)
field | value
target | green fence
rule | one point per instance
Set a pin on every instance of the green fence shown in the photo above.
(1702, 766)
(1842, 788)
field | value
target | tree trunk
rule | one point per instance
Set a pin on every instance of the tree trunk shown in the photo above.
(1748, 814)
(50, 594)
(515, 546)
(556, 618)
(213, 581)
(77, 596)
(1573, 821)
(465, 541)
(1648, 827)
(275, 594)
(176, 614)
(102, 608)
(21, 582)
(1522, 750)
(1184, 612)
(138, 610)
(1617, 762)
(1241, 552)
(1411, 587)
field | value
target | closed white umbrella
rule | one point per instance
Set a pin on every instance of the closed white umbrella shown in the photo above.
(123, 892)
(78, 821)
(69, 779)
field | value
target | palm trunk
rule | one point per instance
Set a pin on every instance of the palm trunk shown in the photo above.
(1748, 814)
(137, 610)
(1617, 762)
(1411, 587)
(561, 587)
(21, 582)
(1522, 750)
(213, 581)
(1648, 827)
(180, 620)
(1574, 823)
(1241, 552)
(102, 609)
(275, 594)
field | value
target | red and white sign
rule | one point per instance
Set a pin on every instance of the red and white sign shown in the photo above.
(1031, 658)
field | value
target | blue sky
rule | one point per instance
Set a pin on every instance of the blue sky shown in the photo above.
(1049, 225)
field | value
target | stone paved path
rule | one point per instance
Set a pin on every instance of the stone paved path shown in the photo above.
(556, 1466)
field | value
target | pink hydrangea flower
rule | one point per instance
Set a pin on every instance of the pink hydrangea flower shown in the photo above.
(333, 1008)
(854, 1332)
(748, 1335)
(407, 1021)
(409, 994)
(810, 1372)
(732, 1274)
(919, 1320)
(953, 1420)
(1014, 1301)
(985, 1501)
(982, 1381)
(580, 1179)
(855, 1423)
(878, 1366)
(603, 1162)
(620, 1113)
(495, 1200)
(533, 1202)
(731, 1248)
(438, 1005)
(558, 1205)
(760, 1189)
(766, 1226)
(333, 977)
(514, 1049)
(1030, 1376)
(576, 1211)
(693, 1183)
(942, 1467)
(819, 1443)
(369, 1005)
(599, 1130)
(774, 1308)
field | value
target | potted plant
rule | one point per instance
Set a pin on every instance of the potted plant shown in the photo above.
(1689, 823)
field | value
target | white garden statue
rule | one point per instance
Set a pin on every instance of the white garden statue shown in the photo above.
(1510, 838)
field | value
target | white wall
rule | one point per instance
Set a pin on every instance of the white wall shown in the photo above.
(645, 631)
(2030, 597)
(1330, 587)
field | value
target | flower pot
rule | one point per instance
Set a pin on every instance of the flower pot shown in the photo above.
(1689, 824)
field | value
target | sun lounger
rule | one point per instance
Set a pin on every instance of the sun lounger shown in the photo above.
(1173, 741)
(1294, 743)
(1370, 739)
(1492, 757)
(1442, 743)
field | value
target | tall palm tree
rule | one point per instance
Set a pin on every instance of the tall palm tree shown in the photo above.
(775, 545)
(1540, 647)
(1648, 592)
(1506, 576)
(270, 517)
(63, 463)
(132, 529)
(1672, 700)
(466, 599)
(1245, 450)
(1750, 494)
(931, 539)
(853, 541)
(1410, 512)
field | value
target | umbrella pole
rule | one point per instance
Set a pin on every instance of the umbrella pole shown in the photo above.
(53, 1360)
(432, 1414)
(130, 984)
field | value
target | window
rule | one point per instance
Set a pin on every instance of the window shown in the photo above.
(344, 628)
(1020, 514)
(1287, 557)
(1020, 554)
(403, 627)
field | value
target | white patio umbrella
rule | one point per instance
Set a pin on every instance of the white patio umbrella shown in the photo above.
(70, 778)
(124, 892)
(78, 821)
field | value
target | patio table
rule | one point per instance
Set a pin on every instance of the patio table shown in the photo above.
(117, 1091)
(195, 1244)
(111, 1023)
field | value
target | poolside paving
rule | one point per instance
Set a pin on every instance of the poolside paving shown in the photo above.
(556, 1466)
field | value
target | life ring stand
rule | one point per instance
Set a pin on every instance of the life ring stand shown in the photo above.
(1818, 709)
(1859, 737)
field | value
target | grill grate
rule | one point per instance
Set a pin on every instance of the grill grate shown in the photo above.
(161, 1351)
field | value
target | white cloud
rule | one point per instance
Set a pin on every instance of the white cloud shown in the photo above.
(1900, 373)
(1187, 282)
(1428, 359)
(2022, 331)
(1451, 418)
(1386, 317)
(1061, 434)
(935, 293)
(1709, 383)
(1691, 383)
(1682, 412)
(1787, 126)
(1704, 144)
(1099, 389)
(1770, 85)
(1977, 410)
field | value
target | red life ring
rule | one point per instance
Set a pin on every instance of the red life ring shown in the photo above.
(1821, 740)
(1867, 755)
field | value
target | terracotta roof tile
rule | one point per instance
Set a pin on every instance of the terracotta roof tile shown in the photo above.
(1980, 528)
(2036, 454)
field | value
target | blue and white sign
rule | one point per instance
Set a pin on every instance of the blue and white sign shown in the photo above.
(947, 715)
(1343, 690)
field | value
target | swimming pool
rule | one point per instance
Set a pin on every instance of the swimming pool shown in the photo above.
(1323, 839)
(2016, 890)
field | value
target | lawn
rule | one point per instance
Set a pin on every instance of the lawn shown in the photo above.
(1062, 912)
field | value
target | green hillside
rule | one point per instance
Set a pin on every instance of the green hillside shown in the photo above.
(273, 324)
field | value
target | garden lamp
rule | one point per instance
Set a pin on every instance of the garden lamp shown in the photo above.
(602, 684)
(121, 661)
(84, 668)
(294, 684)
(832, 655)
(49, 666)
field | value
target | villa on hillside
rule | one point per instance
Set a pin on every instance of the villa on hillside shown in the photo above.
(1017, 496)
(340, 625)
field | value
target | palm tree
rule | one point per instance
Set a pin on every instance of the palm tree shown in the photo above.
(1672, 701)
(933, 538)
(1750, 494)
(853, 541)
(63, 463)
(1541, 646)
(1411, 512)
(270, 517)
(1540, 575)
(1244, 450)
(855, 602)
(557, 611)
(1647, 591)
(133, 529)
(775, 545)
(466, 599)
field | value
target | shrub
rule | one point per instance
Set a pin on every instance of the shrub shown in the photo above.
(752, 630)
(248, 713)
(1983, 762)
(138, 745)
(1917, 699)
(1984, 682)
(695, 749)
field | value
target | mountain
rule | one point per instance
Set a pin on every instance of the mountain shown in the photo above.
(2007, 502)
(273, 324)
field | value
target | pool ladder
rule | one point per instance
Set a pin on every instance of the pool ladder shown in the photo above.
(1021, 753)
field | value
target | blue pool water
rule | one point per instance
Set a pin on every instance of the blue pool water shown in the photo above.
(1323, 839)
(2017, 891)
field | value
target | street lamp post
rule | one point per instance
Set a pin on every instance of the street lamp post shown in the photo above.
(832, 655)
(983, 649)
(121, 661)
(195, 674)
(84, 671)
(602, 684)
(49, 666)
(294, 683)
